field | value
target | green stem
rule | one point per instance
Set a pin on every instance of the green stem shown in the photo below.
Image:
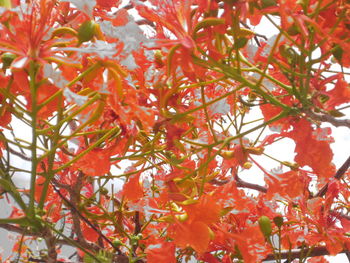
(51, 158)
(204, 103)
(267, 76)
(283, 114)
(226, 141)
(209, 102)
(70, 117)
(5, 3)
(7, 185)
(273, 249)
(71, 83)
(34, 112)
(22, 221)
(269, 59)
(233, 73)
(201, 83)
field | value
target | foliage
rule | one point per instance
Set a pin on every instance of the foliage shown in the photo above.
(179, 106)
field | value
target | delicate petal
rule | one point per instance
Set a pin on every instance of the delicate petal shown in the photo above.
(85, 6)
(161, 252)
(132, 189)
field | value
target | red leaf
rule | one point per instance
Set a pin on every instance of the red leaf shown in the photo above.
(108, 4)
(251, 244)
(209, 258)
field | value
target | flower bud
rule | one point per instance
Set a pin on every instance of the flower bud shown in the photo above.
(265, 225)
(86, 31)
(7, 59)
(278, 220)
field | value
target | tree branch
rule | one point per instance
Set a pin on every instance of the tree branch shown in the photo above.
(297, 253)
(21, 231)
(324, 117)
(338, 175)
(51, 243)
(74, 199)
(21, 155)
(76, 213)
(243, 184)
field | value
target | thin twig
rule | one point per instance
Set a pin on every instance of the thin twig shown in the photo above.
(21, 155)
(21, 231)
(243, 184)
(74, 210)
(338, 175)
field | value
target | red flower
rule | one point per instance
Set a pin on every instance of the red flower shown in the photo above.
(95, 162)
(108, 4)
(161, 251)
(195, 231)
(28, 37)
(132, 189)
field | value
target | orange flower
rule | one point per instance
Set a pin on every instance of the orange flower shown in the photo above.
(177, 18)
(250, 242)
(195, 231)
(132, 189)
(95, 162)
(28, 36)
(161, 252)
(291, 184)
(308, 149)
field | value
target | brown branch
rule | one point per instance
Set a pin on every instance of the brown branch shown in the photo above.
(18, 230)
(348, 255)
(21, 155)
(324, 117)
(51, 243)
(263, 189)
(116, 258)
(347, 217)
(138, 225)
(297, 253)
(338, 175)
(21, 231)
(145, 22)
(243, 184)
(256, 35)
(131, 5)
(31, 259)
(75, 198)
